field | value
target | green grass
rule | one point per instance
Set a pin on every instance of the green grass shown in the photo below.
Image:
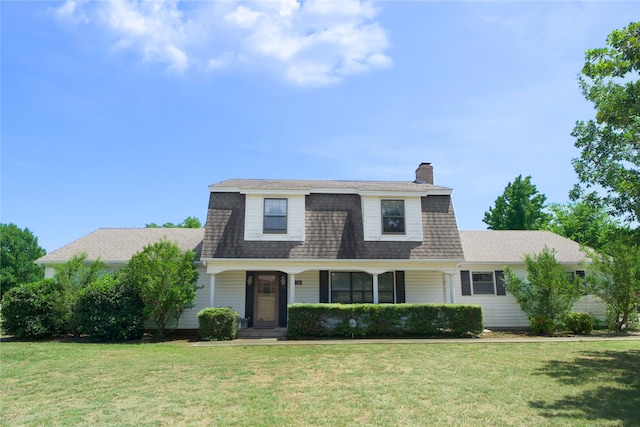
(530, 384)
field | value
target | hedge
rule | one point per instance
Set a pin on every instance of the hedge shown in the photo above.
(110, 310)
(579, 323)
(218, 324)
(35, 310)
(383, 320)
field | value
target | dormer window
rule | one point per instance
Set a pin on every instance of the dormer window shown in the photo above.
(393, 217)
(275, 216)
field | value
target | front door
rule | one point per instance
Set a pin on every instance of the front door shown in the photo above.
(266, 301)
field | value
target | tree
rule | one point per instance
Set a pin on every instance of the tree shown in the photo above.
(73, 276)
(583, 222)
(610, 144)
(166, 279)
(547, 295)
(18, 251)
(520, 207)
(35, 310)
(615, 279)
(189, 222)
(110, 310)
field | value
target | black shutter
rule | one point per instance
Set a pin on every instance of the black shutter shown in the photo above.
(250, 284)
(324, 286)
(500, 289)
(400, 293)
(580, 274)
(283, 279)
(465, 279)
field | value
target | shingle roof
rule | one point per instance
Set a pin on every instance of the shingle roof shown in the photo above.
(118, 245)
(310, 185)
(333, 230)
(510, 246)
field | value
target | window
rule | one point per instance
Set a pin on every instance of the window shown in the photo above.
(275, 216)
(482, 283)
(351, 288)
(393, 216)
(385, 288)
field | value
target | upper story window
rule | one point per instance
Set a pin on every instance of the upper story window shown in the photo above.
(275, 216)
(393, 216)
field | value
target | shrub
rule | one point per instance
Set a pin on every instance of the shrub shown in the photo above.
(35, 310)
(542, 325)
(383, 320)
(218, 324)
(547, 294)
(167, 280)
(110, 310)
(579, 323)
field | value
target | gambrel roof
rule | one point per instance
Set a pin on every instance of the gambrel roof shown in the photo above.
(333, 230)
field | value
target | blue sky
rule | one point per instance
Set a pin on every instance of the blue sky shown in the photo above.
(118, 114)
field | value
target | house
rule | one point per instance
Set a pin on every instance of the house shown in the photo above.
(270, 243)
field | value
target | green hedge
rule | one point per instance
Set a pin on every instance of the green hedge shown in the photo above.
(579, 322)
(218, 324)
(35, 310)
(383, 320)
(110, 310)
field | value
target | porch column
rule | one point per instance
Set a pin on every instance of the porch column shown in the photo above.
(452, 289)
(375, 289)
(212, 289)
(292, 288)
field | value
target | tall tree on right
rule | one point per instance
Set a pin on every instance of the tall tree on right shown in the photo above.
(520, 207)
(610, 144)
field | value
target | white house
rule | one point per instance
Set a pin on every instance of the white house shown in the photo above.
(269, 243)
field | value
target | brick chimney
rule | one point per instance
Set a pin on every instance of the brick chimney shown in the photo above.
(424, 174)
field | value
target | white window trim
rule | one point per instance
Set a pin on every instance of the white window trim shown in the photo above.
(493, 275)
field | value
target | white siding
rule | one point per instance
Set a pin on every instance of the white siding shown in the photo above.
(424, 287)
(592, 305)
(502, 311)
(230, 291)
(254, 211)
(309, 291)
(189, 319)
(498, 311)
(372, 219)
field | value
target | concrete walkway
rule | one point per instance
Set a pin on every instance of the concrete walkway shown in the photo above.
(275, 341)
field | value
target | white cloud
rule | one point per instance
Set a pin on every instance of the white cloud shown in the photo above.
(316, 42)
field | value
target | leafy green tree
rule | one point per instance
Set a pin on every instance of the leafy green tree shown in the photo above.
(110, 310)
(189, 222)
(73, 276)
(35, 310)
(166, 278)
(520, 207)
(18, 251)
(610, 144)
(585, 223)
(615, 278)
(547, 295)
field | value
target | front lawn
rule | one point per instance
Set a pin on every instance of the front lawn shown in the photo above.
(558, 383)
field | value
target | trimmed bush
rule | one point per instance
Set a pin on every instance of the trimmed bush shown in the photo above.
(110, 310)
(579, 323)
(35, 310)
(383, 320)
(218, 324)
